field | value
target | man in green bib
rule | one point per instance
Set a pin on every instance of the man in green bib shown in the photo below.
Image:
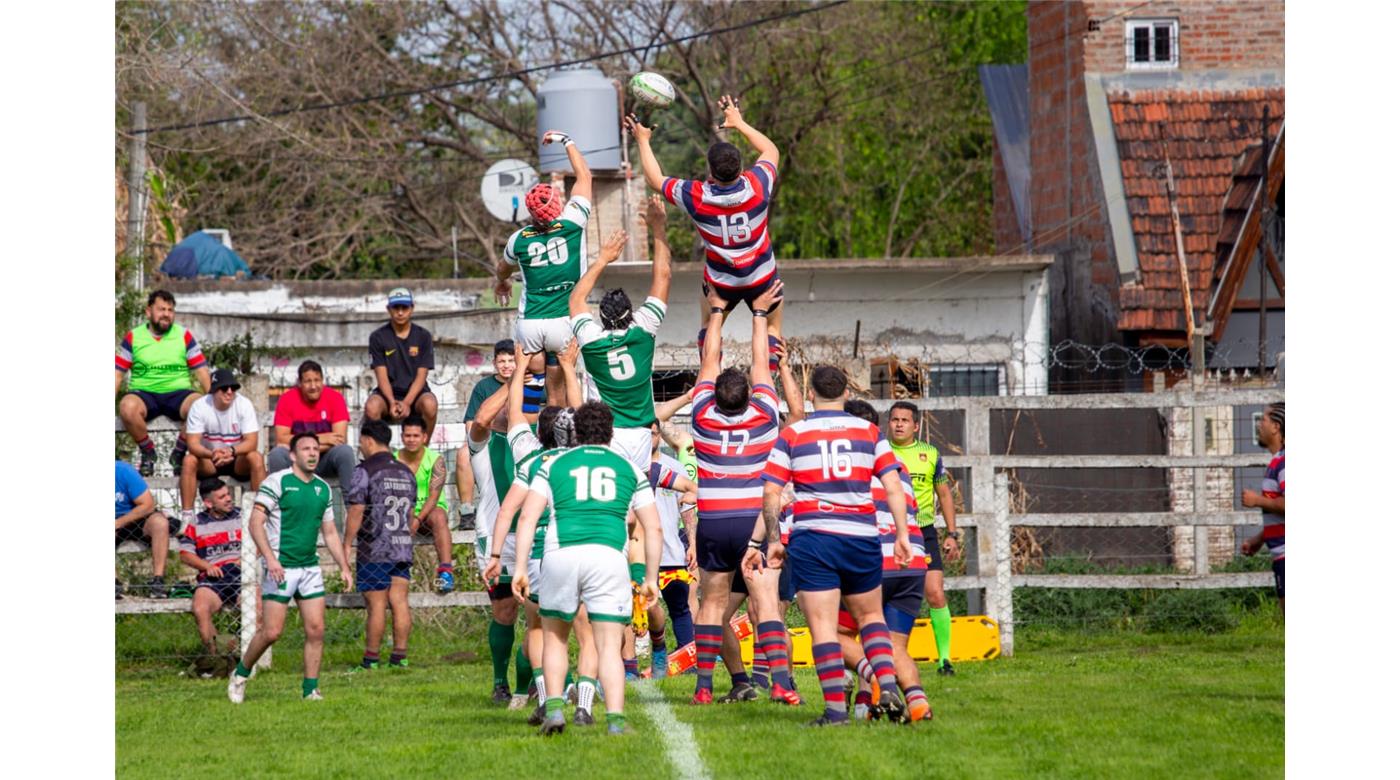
(588, 491)
(551, 253)
(156, 359)
(430, 511)
(618, 349)
(291, 507)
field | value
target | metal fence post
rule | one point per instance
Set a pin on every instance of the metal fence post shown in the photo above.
(248, 587)
(1001, 534)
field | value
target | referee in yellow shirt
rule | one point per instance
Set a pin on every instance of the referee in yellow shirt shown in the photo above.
(926, 470)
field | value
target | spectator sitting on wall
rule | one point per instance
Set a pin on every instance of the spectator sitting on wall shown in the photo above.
(430, 510)
(313, 408)
(158, 358)
(222, 436)
(401, 355)
(212, 546)
(139, 521)
(503, 360)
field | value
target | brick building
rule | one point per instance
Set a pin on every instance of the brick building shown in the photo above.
(1110, 94)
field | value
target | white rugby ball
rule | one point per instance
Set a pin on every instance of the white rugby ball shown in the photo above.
(652, 88)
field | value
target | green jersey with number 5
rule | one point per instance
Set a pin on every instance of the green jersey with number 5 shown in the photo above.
(620, 362)
(590, 490)
(551, 260)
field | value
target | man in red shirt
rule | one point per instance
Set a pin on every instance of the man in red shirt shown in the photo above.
(314, 408)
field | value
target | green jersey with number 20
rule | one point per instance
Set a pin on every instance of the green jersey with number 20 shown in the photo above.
(589, 490)
(620, 362)
(551, 260)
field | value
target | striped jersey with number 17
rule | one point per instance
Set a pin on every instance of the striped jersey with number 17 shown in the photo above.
(831, 458)
(732, 220)
(730, 452)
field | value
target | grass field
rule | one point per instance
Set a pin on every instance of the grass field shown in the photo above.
(1069, 704)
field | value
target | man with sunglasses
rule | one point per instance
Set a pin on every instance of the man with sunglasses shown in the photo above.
(221, 434)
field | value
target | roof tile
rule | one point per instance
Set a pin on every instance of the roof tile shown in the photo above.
(1205, 134)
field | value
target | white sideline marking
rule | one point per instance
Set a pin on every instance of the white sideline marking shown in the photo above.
(681, 749)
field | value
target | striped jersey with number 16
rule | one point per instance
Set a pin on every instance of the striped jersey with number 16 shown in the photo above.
(732, 219)
(730, 452)
(619, 361)
(831, 457)
(590, 490)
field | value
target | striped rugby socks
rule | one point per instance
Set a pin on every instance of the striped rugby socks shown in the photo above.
(831, 670)
(707, 644)
(875, 638)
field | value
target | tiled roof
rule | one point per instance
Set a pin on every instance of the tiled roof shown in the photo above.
(1203, 132)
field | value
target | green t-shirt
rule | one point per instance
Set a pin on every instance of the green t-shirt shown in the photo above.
(620, 362)
(484, 389)
(295, 512)
(159, 365)
(529, 467)
(424, 477)
(926, 472)
(551, 261)
(590, 489)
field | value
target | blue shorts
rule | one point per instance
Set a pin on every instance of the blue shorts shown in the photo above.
(903, 595)
(163, 404)
(786, 590)
(720, 544)
(821, 561)
(225, 587)
(1278, 577)
(371, 576)
(747, 295)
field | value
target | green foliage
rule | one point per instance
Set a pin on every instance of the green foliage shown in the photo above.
(1211, 611)
(237, 353)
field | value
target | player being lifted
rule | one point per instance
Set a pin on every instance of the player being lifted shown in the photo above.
(292, 505)
(619, 348)
(589, 490)
(730, 212)
(734, 421)
(830, 458)
(551, 253)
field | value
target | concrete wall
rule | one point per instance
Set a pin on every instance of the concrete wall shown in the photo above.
(990, 310)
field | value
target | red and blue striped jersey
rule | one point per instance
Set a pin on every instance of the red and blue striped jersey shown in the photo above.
(884, 520)
(730, 452)
(732, 220)
(831, 459)
(1273, 488)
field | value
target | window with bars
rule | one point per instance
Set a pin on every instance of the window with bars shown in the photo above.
(1151, 44)
(963, 380)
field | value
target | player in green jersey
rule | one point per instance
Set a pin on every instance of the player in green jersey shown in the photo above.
(619, 348)
(551, 253)
(926, 471)
(589, 491)
(292, 505)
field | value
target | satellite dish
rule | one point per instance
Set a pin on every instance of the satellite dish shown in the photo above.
(504, 186)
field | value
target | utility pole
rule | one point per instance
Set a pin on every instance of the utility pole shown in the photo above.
(1181, 257)
(1266, 204)
(456, 266)
(136, 195)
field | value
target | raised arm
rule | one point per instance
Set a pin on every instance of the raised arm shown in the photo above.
(792, 392)
(568, 364)
(759, 373)
(515, 402)
(668, 409)
(651, 169)
(767, 150)
(583, 177)
(489, 409)
(714, 338)
(655, 220)
(578, 298)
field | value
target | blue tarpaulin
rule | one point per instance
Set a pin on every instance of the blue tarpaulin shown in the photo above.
(201, 254)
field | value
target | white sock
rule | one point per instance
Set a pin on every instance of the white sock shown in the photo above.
(586, 689)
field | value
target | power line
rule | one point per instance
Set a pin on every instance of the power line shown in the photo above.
(514, 74)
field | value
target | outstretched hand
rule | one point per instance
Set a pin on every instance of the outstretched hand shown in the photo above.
(568, 356)
(730, 107)
(612, 248)
(770, 297)
(714, 298)
(638, 130)
(655, 216)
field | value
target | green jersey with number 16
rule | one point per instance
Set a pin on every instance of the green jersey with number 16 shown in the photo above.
(620, 362)
(551, 260)
(590, 490)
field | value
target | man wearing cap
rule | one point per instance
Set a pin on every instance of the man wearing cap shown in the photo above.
(551, 253)
(503, 361)
(221, 434)
(401, 355)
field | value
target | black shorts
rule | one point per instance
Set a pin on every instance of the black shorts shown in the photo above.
(932, 553)
(904, 593)
(746, 295)
(398, 396)
(1278, 577)
(136, 532)
(163, 404)
(786, 590)
(225, 587)
(720, 544)
(501, 590)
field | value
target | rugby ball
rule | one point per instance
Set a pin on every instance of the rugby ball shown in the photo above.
(652, 88)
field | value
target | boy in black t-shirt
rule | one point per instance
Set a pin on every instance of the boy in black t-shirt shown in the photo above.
(401, 355)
